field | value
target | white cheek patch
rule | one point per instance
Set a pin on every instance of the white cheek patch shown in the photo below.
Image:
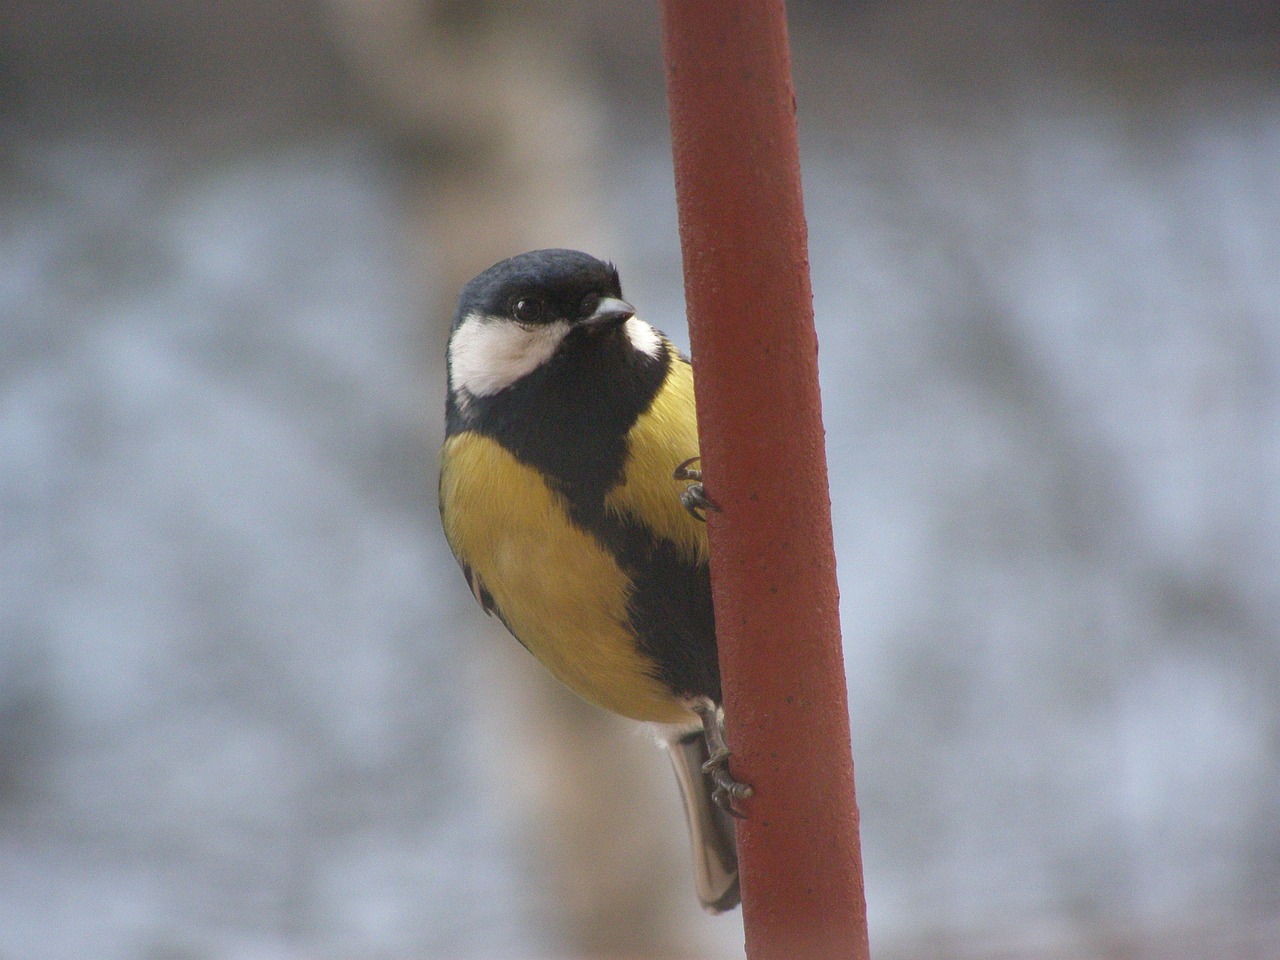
(488, 354)
(643, 337)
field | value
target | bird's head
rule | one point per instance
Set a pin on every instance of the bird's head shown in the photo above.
(515, 316)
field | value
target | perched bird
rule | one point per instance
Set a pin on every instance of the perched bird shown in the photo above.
(567, 497)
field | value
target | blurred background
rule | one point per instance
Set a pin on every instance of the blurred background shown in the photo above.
(248, 708)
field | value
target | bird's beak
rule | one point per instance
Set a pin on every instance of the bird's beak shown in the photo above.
(609, 313)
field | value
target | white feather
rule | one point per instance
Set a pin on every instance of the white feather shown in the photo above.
(488, 354)
(643, 337)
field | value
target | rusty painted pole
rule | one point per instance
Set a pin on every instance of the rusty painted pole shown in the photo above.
(746, 265)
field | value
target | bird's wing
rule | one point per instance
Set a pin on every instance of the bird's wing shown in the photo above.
(478, 590)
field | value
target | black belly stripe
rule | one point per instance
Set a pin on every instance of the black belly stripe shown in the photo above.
(670, 609)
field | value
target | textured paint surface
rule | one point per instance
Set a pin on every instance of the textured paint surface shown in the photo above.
(744, 240)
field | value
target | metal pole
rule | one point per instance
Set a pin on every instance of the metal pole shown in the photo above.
(755, 352)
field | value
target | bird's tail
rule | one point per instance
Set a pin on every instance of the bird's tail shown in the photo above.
(711, 830)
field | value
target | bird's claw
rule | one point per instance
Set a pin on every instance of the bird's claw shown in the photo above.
(696, 503)
(728, 791)
(694, 498)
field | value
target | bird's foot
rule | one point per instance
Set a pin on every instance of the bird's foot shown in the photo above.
(694, 498)
(728, 791)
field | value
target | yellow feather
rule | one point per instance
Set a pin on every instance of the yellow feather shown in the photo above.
(662, 438)
(558, 589)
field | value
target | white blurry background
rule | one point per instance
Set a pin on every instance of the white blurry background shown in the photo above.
(247, 708)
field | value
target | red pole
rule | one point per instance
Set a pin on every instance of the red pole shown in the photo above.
(750, 309)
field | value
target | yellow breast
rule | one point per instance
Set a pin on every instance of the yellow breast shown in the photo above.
(558, 589)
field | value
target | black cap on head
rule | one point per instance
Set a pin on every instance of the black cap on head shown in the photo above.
(563, 280)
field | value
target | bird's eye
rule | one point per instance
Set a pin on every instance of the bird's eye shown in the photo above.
(589, 304)
(528, 310)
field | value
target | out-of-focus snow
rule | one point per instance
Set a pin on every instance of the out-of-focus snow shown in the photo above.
(232, 722)
(229, 700)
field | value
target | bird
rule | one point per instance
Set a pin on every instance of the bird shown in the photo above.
(569, 498)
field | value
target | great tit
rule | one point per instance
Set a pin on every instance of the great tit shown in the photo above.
(567, 498)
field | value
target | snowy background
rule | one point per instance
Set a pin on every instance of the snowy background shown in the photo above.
(242, 706)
